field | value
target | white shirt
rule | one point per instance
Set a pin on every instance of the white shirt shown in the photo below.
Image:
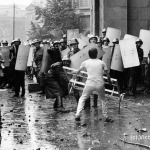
(95, 69)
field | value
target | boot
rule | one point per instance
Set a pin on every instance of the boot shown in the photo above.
(55, 105)
(23, 92)
(60, 104)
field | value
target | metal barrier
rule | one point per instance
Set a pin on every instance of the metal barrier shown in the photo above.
(79, 85)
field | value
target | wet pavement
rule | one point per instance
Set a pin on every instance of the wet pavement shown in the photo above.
(30, 123)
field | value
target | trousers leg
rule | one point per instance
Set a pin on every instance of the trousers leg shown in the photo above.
(88, 89)
(101, 92)
(17, 82)
(22, 81)
(41, 81)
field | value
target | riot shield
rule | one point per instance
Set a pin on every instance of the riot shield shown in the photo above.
(22, 58)
(30, 57)
(145, 37)
(107, 56)
(74, 33)
(113, 33)
(65, 52)
(5, 53)
(83, 41)
(45, 60)
(82, 55)
(129, 53)
(128, 36)
(117, 63)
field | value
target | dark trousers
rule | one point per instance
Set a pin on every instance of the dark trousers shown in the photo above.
(135, 75)
(6, 72)
(122, 79)
(19, 81)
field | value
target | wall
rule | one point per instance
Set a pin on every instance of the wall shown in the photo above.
(138, 16)
(113, 13)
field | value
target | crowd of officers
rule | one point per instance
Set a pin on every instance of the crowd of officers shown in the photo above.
(11, 78)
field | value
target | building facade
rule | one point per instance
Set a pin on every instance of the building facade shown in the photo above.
(128, 15)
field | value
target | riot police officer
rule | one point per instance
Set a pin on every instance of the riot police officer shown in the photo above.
(19, 76)
(63, 45)
(37, 58)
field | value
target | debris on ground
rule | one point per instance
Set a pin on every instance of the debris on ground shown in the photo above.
(137, 144)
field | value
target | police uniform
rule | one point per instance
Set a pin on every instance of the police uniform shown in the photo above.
(19, 76)
(135, 72)
(63, 45)
(38, 56)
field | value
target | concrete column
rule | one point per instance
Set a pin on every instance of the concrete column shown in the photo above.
(101, 16)
(93, 15)
(113, 13)
(138, 16)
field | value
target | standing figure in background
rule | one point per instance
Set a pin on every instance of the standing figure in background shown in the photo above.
(13, 56)
(19, 76)
(121, 76)
(147, 74)
(63, 45)
(37, 59)
(135, 72)
(103, 34)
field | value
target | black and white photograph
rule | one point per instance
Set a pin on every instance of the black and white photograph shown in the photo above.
(74, 74)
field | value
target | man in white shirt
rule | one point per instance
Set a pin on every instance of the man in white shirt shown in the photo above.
(95, 82)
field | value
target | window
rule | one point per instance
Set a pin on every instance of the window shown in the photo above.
(84, 3)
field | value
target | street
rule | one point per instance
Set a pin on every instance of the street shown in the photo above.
(30, 123)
